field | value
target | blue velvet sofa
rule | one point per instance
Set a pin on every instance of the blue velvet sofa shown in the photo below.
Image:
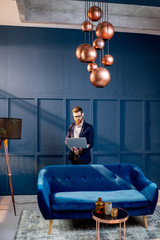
(70, 191)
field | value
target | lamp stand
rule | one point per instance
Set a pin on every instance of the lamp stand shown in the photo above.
(8, 170)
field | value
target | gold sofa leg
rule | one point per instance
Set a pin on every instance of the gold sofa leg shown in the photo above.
(50, 226)
(145, 221)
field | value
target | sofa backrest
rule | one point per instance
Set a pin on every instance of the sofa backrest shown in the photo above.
(63, 178)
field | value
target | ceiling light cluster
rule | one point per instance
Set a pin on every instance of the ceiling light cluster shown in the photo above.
(87, 53)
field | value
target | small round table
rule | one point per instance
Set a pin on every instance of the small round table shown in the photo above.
(102, 218)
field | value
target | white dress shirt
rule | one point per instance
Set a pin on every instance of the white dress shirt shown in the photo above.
(77, 130)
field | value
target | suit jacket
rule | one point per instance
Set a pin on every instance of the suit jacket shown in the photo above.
(87, 131)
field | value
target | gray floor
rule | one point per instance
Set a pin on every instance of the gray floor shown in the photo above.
(9, 222)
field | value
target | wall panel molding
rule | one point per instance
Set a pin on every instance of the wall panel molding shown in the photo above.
(53, 116)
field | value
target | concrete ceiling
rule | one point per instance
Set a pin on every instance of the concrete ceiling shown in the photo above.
(71, 13)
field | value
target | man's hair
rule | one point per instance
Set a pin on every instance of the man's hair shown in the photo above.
(77, 109)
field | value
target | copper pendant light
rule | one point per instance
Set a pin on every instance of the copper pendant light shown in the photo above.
(86, 26)
(100, 77)
(92, 66)
(79, 50)
(98, 43)
(88, 54)
(107, 60)
(105, 30)
(94, 13)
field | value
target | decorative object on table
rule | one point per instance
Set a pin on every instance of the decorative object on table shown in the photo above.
(10, 128)
(114, 212)
(99, 206)
(100, 76)
(108, 208)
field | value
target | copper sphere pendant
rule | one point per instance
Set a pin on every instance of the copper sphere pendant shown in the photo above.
(98, 43)
(105, 30)
(88, 54)
(92, 66)
(86, 26)
(100, 77)
(107, 60)
(94, 13)
(79, 50)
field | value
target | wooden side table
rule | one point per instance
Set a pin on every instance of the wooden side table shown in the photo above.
(108, 219)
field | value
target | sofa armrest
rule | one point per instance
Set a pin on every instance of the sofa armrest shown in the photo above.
(43, 195)
(151, 193)
(145, 186)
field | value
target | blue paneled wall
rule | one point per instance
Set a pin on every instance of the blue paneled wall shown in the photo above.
(41, 81)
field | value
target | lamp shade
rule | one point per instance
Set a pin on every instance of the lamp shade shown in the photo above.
(10, 128)
(86, 26)
(79, 51)
(94, 13)
(105, 30)
(100, 77)
(107, 60)
(88, 54)
(92, 66)
(98, 43)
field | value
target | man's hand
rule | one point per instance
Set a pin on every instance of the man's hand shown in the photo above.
(74, 149)
(77, 151)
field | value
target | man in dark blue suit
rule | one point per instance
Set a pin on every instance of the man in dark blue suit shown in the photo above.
(80, 129)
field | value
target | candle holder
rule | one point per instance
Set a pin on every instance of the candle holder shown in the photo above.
(108, 207)
(114, 212)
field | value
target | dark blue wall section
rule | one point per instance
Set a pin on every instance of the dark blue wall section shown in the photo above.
(41, 81)
(131, 125)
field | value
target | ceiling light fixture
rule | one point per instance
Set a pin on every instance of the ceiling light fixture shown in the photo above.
(99, 76)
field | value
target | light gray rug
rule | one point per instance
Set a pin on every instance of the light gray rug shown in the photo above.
(32, 226)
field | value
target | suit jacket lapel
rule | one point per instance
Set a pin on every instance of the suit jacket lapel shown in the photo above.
(72, 130)
(82, 129)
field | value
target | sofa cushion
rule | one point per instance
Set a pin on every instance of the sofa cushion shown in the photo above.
(85, 200)
(69, 178)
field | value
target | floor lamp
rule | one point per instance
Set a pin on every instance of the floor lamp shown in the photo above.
(10, 128)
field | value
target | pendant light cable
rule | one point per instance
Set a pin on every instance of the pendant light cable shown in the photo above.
(107, 27)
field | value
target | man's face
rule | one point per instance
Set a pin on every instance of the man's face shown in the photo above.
(78, 117)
